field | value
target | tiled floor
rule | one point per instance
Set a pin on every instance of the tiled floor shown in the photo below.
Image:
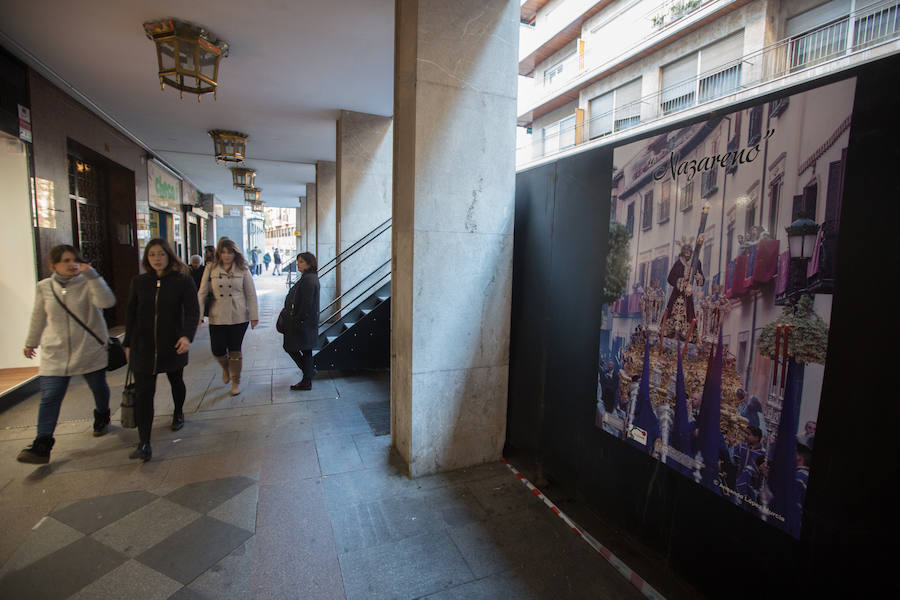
(271, 494)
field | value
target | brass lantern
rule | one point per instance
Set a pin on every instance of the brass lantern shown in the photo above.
(243, 177)
(252, 195)
(188, 56)
(257, 206)
(229, 146)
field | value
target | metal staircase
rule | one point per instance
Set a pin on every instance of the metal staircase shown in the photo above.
(355, 328)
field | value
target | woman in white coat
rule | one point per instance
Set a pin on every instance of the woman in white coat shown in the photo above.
(227, 296)
(67, 348)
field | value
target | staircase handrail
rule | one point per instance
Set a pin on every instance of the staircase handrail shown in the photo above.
(344, 254)
(358, 296)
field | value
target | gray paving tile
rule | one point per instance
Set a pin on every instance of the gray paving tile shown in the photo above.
(418, 566)
(87, 516)
(378, 415)
(229, 578)
(239, 510)
(145, 527)
(287, 462)
(369, 485)
(502, 494)
(502, 585)
(129, 581)
(187, 593)
(46, 538)
(293, 529)
(338, 454)
(204, 496)
(72, 568)
(190, 551)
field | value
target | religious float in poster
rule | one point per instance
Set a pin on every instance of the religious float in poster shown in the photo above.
(713, 358)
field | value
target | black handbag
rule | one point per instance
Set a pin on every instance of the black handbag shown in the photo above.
(126, 413)
(114, 350)
(207, 302)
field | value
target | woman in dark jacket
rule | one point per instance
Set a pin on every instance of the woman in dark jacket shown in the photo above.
(162, 318)
(302, 318)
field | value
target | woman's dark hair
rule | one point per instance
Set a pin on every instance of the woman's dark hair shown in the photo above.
(239, 259)
(56, 254)
(175, 263)
(310, 259)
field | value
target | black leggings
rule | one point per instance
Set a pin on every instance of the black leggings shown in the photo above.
(145, 390)
(226, 338)
(304, 360)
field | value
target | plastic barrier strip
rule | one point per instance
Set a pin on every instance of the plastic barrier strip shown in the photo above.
(636, 580)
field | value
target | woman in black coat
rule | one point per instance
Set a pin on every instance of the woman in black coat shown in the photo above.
(161, 321)
(301, 310)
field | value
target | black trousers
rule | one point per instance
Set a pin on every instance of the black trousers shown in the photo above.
(226, 338)
(304, 360)
(145, 390)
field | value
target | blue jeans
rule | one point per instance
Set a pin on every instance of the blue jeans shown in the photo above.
(53, 389)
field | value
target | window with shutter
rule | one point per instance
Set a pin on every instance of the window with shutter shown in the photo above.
(628, 105)
(601, 115)
(679, 85)
(720, 67)
(755, 132)
(647, 214)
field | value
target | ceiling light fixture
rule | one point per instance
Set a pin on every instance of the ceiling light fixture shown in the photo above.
(188, 56)
(252, 195)
(229, 146)
(243, 177)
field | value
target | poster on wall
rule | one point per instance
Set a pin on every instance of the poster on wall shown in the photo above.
(723, 243)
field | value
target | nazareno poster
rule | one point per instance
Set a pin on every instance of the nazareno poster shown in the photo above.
(713, 356)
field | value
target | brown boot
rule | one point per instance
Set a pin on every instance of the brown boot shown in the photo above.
(223, 362)
(235, 360)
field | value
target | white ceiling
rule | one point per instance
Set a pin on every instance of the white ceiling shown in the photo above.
(292, 66)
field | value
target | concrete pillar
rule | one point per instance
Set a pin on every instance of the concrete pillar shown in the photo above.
(454, 183)
(326, 226)
(311, 219)
(364, 171)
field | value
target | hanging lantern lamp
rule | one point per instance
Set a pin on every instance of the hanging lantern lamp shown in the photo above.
(229, 146)
(252, 195)
(188, 56)
(243, 177)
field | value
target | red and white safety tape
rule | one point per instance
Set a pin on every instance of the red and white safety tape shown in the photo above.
(636, 580)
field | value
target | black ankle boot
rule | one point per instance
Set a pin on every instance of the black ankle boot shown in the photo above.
(38, 452)
(101, 422)
(303, 384)
(177, 421)
(142, 452)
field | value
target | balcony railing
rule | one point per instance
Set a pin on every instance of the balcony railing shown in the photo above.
(874, 25)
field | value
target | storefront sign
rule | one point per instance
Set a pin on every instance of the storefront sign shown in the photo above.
(189, 194)
(164, 188)
(24, 123)
(46, 207)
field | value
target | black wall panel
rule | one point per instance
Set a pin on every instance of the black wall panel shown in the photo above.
(562, 212)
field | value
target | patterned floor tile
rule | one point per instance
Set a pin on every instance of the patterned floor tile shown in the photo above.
(92, 514)
(72, 567)
(240, 510)
(48, 536)
(203, 496)
(129, 581)
(147, 526)
(190, 551)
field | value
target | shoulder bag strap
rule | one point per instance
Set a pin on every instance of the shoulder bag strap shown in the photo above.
(71, 314)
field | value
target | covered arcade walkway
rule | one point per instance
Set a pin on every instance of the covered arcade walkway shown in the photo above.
(271, 494)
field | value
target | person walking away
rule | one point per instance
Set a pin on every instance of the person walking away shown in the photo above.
(209, 254)
(254, 260)
(302, 328)
(160, 325)
(276, 259)
(267, 258)
(67, 348)
(197, 269)
(230, 285)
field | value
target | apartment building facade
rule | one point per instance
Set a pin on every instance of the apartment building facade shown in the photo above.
(593, 72)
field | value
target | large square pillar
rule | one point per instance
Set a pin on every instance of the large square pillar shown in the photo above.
(364, 171)
(326, 226)
(453, 200)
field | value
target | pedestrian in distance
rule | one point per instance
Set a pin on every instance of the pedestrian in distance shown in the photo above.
(67, 348)
(233, 306)
(160, 326)
(254, 261)
(267, 258)
(197, 268)
(209, 254)
(276, 258)
(301, 331)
